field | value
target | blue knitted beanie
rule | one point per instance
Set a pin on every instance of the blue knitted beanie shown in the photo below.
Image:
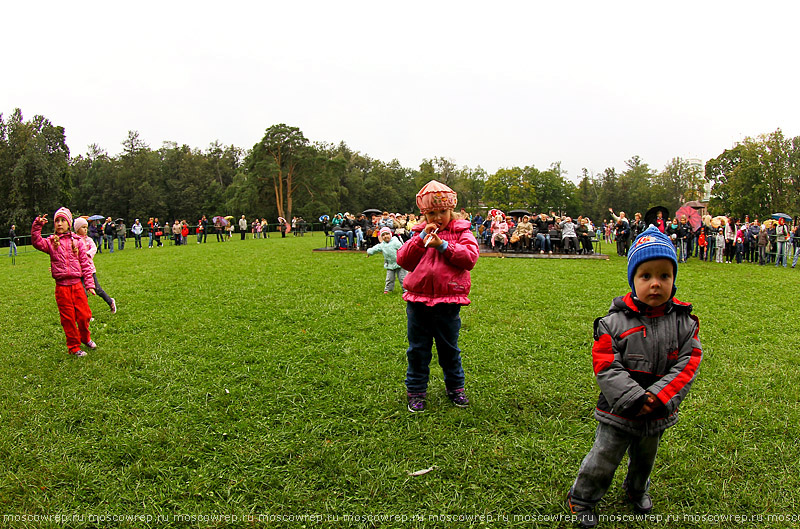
(651, 244)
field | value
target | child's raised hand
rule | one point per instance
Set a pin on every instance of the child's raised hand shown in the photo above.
(41, 219)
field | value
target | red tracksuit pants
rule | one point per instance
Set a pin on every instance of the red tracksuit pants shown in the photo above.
(73, 307)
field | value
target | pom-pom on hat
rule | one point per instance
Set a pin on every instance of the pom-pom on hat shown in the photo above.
(385, 230)
(651, 244)
(65, 213)
(79, 223)
(435, 195)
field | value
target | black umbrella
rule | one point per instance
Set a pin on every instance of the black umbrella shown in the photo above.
(119, 220)
(652, 214)
(520, 213)
(372, 211)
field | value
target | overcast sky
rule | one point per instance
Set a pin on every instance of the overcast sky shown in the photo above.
(490, 84)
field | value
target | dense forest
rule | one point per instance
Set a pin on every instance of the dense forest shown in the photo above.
(286, 174)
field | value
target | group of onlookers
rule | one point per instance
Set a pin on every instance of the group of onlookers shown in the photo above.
(720, 239)
(541, 233)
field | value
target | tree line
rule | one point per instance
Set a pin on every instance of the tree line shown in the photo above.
(285, 174)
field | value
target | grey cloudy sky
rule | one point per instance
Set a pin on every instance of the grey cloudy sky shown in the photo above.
(494, 84)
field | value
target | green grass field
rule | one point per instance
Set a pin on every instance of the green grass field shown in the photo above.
(260, 378)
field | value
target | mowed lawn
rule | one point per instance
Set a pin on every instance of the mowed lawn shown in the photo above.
(262, 378)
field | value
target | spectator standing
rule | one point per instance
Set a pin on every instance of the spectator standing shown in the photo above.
(150, 232)
(796, 237)
(243, 226)
(157, 233)
(782, 238)
(204, 225)
(96, 235)
(184, 232)
(621, 233)
(137, 230)
(12, 241)
(763, 242)
(122, 232)
(176, 232)
(638, 225)
(110, 231)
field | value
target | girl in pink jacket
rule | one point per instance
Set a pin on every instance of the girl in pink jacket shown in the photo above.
(69, 264)
(81, 226)
(438, 256)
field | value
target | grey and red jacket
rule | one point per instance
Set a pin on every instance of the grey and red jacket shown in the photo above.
(638, 349)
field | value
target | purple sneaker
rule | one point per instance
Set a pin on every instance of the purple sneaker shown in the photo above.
(458, 397)
(416, 402)
(113, 306)
(91, 345)
(79, 353)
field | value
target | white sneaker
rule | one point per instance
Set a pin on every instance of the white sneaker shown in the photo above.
(113, 306)
(91, 345)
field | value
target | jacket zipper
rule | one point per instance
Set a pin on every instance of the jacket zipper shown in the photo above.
(634, 330)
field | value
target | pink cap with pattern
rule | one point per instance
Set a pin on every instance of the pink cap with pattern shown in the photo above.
(435, 195)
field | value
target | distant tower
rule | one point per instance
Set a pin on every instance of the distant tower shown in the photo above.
(700, 166)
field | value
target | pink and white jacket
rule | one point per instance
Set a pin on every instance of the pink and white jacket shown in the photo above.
(439, 276)
(91, 250)
(69, 262)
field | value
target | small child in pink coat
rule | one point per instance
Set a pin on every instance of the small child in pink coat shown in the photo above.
(438, 257)
(81, 227)
(69, 265)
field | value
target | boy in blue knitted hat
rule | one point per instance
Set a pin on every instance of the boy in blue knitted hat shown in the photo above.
(645, 354)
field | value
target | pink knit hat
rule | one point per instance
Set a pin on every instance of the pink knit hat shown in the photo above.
(435, 195)
(79, 223)
(63, 212)
(385, 230)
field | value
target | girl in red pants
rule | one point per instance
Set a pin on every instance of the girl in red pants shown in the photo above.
(69, 263)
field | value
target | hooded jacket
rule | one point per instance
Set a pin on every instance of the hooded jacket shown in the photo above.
(439, 276)
(69, 262)
(638, 349)
(389, 251)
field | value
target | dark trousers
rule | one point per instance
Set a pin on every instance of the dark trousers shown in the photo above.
(440, 323)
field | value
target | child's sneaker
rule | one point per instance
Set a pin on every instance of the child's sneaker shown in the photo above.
(91, 345)
(113, 306)
(79, 353)
(642, 504)
(584, 516)
(458, 397)
(416, 402)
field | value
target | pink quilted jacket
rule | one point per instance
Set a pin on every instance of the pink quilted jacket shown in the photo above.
(439, 277)
(69, 261)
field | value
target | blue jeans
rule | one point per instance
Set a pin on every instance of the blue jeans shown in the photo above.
(598, 467)
(796, 253)
(12, 249)
(781, 257)
(339, 234)
(150, 234)
(110, 241)
(544, 242)
(441, 323)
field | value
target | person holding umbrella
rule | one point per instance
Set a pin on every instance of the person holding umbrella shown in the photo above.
(782, 233)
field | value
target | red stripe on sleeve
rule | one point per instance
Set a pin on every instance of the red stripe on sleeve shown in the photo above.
(683, 378)
(602, 353)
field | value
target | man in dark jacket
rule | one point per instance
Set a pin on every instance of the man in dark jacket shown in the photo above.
(110, 231)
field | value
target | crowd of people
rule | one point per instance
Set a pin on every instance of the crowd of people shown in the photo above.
(716, 239)
(540, 233)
